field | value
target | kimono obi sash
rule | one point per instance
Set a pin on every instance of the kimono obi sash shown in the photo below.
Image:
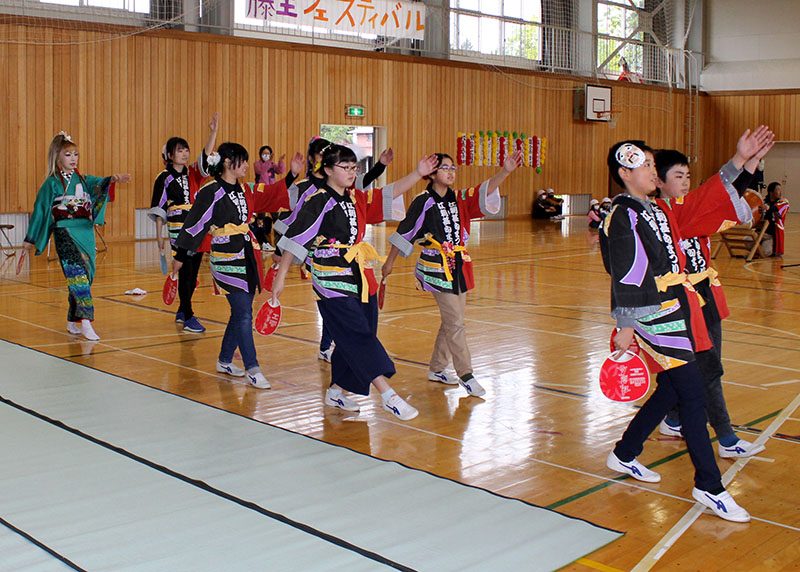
(177, 208)
(362, 253)
(71, 207)
(664, 281)
(709, 273)
(230, 229)
(448, 253)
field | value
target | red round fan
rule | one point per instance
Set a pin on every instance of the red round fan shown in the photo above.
(269, 277)
(381, 293)
(634, 344)
(625, 377)
(268, 318)
(170, 289)
(21, 260)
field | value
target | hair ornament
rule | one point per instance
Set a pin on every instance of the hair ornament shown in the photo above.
(214, 159)
(630, 156)
(65, 135)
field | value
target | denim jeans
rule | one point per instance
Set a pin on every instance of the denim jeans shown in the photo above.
(239, 332)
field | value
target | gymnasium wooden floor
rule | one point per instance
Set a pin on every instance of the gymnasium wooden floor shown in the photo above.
(538, 327)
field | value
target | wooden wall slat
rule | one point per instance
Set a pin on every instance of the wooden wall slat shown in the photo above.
(122, 98)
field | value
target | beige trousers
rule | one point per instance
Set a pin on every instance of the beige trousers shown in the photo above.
(451, 341)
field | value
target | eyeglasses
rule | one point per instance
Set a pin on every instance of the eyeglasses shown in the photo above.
(448, 168)
(347, 168)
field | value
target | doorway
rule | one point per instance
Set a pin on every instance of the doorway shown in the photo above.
(367, 141)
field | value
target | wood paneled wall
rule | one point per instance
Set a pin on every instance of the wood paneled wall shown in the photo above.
(122, 98)
(726, 116)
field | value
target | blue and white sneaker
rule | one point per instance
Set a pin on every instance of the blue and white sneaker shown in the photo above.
(633, 468)
(398, 407)
(325, 355)
(230, 369)
(722, 505)
(335, 398)
(193, 325)
(442, 377)
(258, 380)
(472, 386)
(740, 450)
(179, 318)
(669, 430)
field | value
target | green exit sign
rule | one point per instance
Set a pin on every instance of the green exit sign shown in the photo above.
(354, 111)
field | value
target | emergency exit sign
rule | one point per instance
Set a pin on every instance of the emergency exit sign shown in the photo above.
(354, 111)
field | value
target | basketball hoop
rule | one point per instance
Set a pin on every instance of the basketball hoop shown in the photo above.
(610, 116)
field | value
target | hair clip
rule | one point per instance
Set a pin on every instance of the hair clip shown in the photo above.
(630, 156)
(214, 159)
(65, 135)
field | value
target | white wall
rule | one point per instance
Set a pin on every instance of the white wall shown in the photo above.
(751, 44)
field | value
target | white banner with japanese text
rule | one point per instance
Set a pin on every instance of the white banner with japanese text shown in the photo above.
(388, 18)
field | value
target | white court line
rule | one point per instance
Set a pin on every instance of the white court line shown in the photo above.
(762, 364)
(776, 383)
(745, 385)
(694, 513)
(764, 327)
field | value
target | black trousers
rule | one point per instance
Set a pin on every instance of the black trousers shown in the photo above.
(187, 282)
(682, 386)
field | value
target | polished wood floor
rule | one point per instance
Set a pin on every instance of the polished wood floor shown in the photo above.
(538, 327)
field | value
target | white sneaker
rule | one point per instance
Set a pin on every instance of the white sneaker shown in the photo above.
(670, 431)
(741, 450)
(634, 469)
(267, 247)
(73, 328)
(326, 355)
(230, 369)
(442, 377)
(722, 505)
(473, 387)
(258, 380)
(335, 398)
(88, 331)
(398, 406)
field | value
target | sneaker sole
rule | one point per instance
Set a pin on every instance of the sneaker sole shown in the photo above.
(192, 330)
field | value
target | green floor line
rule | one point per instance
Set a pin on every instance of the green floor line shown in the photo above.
(666, 459)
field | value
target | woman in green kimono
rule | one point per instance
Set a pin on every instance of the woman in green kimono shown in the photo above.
(68, 205)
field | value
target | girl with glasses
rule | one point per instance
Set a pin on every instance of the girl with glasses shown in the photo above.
(328, 226)
(439, 221)
(301, 190)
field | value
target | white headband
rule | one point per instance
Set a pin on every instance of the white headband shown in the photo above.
(630, 156)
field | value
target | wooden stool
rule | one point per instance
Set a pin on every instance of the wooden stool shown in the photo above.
(744, 241)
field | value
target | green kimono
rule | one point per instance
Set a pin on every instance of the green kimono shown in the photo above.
(70, 215)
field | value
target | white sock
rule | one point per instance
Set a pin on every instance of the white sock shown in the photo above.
(388, 394)
(335, 390)
(253, 370)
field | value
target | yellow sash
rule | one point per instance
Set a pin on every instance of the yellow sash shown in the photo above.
(362, 253)
(176, 208)
(445, 255)
(230, 229)
(710, 273)
(675, 279)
